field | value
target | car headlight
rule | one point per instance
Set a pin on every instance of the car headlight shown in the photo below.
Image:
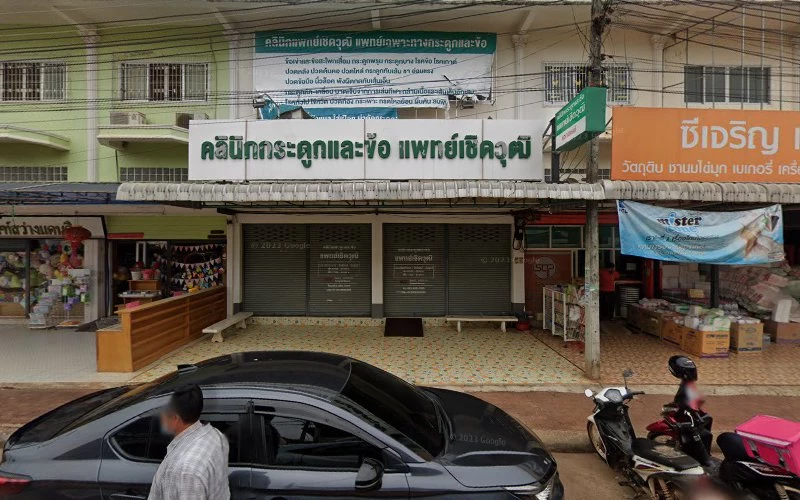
(532, 491)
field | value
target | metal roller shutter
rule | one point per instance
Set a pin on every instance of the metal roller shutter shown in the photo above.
(414, 275)
(340, 278)
(275, 269)
(479, 269)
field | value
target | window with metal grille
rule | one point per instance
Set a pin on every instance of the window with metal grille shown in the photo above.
(33, 81)
(153, 174)
(737, 84)
(33, 174)
(164, 81)
(563, 81)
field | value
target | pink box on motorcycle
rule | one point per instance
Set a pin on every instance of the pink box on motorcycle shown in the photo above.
(774, 440)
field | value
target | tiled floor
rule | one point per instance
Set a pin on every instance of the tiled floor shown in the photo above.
(476, 357)
(481, 356)
(647, 356)
(50, 356)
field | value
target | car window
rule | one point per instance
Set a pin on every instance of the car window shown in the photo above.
(143, 441)
(306, 444)
(398, 408)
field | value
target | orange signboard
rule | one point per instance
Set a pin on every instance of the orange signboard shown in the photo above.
(708, 145)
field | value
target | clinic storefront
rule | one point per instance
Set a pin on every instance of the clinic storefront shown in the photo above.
(380, 259)
(355, 266)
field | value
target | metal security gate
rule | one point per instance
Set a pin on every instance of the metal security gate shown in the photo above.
(414, 272)
(302, 269)
(275, 270)
(479, 269)
(340, 278)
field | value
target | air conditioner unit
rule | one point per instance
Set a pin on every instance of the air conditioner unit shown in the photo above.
(182, 119)
(127, 118)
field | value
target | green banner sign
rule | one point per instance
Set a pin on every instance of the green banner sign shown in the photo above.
(583, 118)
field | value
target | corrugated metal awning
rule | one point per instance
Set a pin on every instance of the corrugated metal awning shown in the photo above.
(353, 191)
(730, 192)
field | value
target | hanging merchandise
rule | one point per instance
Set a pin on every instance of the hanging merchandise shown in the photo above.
(75, 236)
(197, 267)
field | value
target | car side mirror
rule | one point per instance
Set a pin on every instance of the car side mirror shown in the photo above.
(370, 475)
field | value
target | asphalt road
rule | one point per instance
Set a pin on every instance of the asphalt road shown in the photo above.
(586, 476)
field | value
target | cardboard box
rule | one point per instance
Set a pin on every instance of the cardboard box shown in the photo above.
(706, 344)
(670, 283)
(696, 293)
(672, 332)
(783, 333)
(747, 337)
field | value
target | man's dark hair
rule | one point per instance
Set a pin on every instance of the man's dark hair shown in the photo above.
(609, 264)
(187, 403)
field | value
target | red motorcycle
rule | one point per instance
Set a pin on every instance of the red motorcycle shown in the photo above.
(685, 408)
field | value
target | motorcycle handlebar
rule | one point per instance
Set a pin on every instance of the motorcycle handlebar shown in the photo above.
(634, 393)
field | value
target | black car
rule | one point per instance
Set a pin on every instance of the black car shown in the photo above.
(300, 425)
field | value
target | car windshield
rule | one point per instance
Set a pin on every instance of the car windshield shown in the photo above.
(401, 407)
(122, 397)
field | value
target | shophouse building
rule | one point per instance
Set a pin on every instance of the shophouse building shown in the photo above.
(160, 102)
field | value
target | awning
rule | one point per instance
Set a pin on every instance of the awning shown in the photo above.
(354, 191)
(116, 136)
(57, 193)
(21, 135)
(729, 192)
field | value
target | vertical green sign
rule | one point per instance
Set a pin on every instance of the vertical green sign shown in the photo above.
(581, 119)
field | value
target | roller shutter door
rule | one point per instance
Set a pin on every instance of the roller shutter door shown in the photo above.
(275, 269)
(479, 269)
(414, 272)
(340, 270)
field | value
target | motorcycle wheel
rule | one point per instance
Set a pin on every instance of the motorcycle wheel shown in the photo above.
(597, 441)
(661, 438)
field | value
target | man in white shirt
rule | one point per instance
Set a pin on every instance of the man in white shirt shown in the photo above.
(196, 465)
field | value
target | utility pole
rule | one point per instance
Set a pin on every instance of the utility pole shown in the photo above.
(590, 231)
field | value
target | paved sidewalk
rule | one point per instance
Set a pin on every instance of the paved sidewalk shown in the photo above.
(558, 418)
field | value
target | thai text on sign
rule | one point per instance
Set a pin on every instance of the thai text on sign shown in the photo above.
(707, 145)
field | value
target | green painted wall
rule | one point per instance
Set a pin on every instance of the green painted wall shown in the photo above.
(166, 227)
(68, 118)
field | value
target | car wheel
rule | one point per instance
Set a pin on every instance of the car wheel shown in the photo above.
(597, 441)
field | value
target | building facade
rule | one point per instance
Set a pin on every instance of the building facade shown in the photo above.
(107, 97)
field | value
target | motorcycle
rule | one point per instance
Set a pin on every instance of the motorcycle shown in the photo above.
(687, 427)
(754, 479)
(660, 471)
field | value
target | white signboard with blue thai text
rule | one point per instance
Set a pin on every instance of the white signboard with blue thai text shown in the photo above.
(345, 69)
(742, 237)
(365, 149)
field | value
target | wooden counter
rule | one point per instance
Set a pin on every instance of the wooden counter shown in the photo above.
(149, 331)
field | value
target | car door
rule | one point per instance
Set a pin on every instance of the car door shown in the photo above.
(133, 451)
(303, 453)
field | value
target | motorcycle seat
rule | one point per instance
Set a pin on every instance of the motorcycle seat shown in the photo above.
(664, 455)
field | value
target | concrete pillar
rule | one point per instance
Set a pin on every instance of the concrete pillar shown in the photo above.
(796, 80)
(517, 276)
(233, 73)
(94, 259)
(519, 42)
(657, 68)
(235, 264)
(377, 269)
(91, 39)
